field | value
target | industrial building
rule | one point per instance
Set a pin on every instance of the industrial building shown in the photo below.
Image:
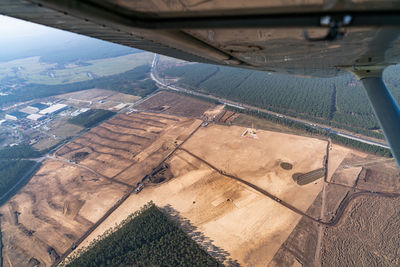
(53, 109)
(39, 106)
(16, 115)
(29, 110)
(36, 117)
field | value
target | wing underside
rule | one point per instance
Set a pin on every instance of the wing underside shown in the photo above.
(236, 33)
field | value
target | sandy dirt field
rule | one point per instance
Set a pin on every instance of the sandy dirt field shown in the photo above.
(245, 225)
(147, 159)
(258, 160)
(368, 235)
(88, 177)
(347, 176)
(83, 180)
(55, 208)
(364, 234)
(336, 155)
(175, 104)
(126, 140)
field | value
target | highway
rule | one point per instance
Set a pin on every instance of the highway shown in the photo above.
(162, 84)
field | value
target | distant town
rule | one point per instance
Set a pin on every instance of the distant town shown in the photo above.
(44, 123)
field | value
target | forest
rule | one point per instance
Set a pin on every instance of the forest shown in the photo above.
(146, 238)
(339, 101)
(91, 117)
(14, 166)
(134, 82)
(19, 151)
(11, 172)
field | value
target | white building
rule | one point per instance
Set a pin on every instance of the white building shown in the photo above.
(11, 117)
(119, 106)
(36, 117)
(16, 115)
(53, 109)
(30, 110)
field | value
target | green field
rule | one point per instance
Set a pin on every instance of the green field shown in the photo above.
(32, 70)
(135, 82)
(146, 238)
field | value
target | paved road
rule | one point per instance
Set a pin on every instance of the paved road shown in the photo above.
(154, 76)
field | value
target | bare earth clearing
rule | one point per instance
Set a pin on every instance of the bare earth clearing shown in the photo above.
(244, 225)
(361, 192)
(74, 189)
(49, 213)
(258, 160)
(225, 185)
(175, 104)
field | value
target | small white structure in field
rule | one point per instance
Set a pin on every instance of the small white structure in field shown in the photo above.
(250, 132)
(119, 106)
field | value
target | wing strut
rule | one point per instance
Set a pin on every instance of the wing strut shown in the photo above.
(386, 110)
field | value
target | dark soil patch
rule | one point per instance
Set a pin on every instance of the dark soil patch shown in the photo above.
(79, 156)
(286, 166)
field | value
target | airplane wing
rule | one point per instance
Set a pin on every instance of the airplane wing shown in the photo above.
(310, 38)
(301, 37)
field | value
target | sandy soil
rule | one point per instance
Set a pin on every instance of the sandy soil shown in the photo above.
(212, 113)
(336, 155)
(64, 199)
(347, 176)
(150, 157)
(258, 160)
(365, 235)
(238, 223)
(175, 104)
(244, 224)
(368, 235)
(126, 140)
(56, 207)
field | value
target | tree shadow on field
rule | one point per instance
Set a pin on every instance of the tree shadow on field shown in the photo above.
(206, 243)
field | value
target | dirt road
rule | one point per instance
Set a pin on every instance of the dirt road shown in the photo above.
(334, 221)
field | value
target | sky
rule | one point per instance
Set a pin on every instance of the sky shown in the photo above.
(11, 28)
(21, 39)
